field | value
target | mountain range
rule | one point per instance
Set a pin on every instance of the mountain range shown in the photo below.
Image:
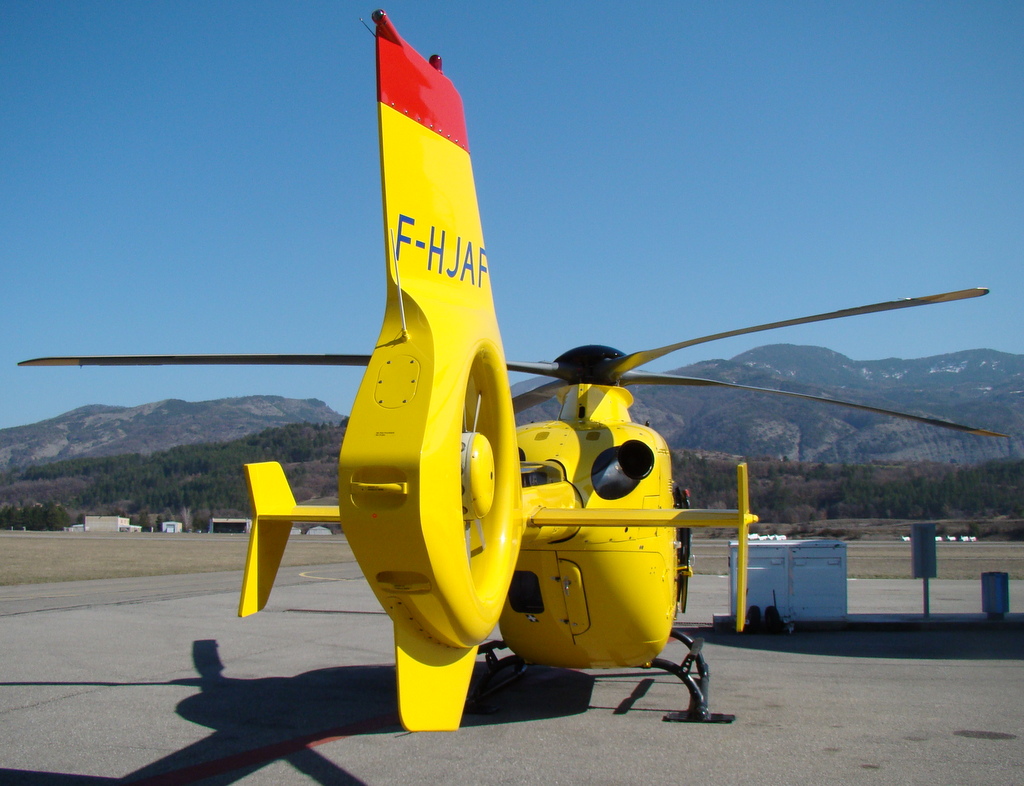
(97, 430)
(981, 388)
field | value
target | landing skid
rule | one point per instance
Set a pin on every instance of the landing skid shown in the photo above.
(493, 680)
(699, 688)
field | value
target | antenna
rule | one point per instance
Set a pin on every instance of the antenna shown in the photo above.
(398, 284)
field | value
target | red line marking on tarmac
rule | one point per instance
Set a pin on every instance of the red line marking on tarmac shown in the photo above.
(268, 753)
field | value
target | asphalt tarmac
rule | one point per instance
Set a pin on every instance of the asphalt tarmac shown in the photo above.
(156, 681)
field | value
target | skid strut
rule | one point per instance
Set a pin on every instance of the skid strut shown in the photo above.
(699, 688)
(489, 684)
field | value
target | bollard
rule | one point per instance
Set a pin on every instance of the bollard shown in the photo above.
(923, 559)
(995, 594)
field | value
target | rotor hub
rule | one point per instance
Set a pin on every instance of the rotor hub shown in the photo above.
(584, 363)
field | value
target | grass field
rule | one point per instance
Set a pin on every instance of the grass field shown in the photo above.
(34, 557)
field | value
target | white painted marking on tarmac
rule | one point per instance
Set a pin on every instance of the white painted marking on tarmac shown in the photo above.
(327, 578)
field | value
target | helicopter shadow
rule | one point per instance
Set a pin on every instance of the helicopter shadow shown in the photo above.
(542, 693)
(255, 722)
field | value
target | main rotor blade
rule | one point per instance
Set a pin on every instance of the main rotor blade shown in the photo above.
(615, 368)
(545, 368)
(643, 378)
(201, 360)
(538, 395)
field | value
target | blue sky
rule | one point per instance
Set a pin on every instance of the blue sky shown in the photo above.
(203, 177)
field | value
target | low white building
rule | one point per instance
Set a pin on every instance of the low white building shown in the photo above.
(110, 524)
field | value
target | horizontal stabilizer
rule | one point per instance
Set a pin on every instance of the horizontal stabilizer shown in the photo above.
(274, 513)
(614, 517)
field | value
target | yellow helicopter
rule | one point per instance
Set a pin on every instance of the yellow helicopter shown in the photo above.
(569, 535)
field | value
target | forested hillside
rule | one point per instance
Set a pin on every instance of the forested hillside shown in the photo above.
(792, 492)
(187, 482)
(197, 481)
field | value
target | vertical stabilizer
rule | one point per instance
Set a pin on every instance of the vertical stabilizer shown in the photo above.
(434, 412)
